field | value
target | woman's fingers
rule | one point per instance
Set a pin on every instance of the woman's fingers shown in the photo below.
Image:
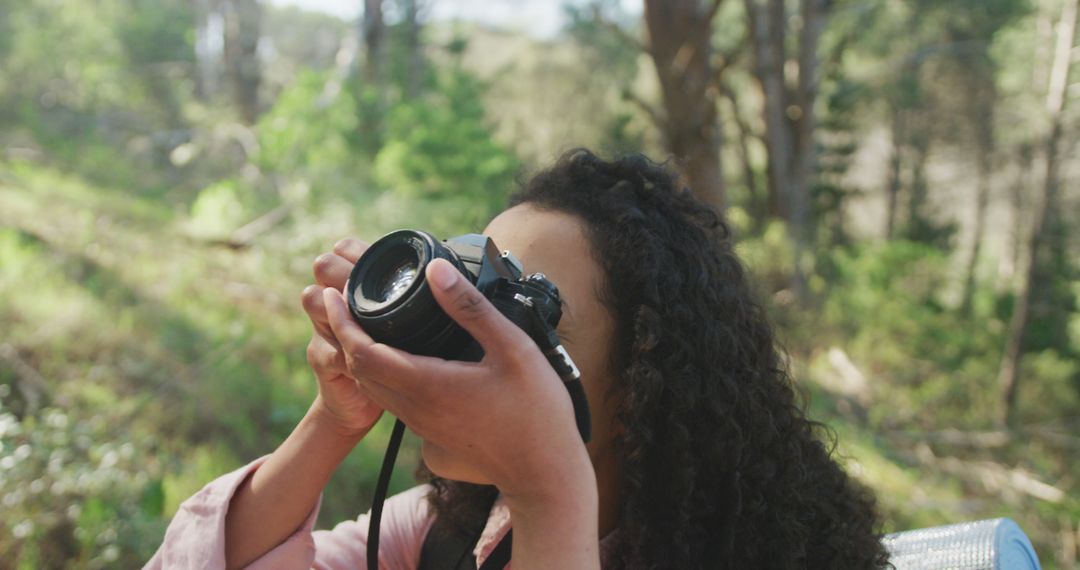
(470, 309)
(332, 270)
(350, 249)
(312, 300)
(396, 379)
(325, 359)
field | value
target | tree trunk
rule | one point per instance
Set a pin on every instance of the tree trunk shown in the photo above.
(209, 31)
(414, 77)
(768, 44)
(1008, 375)
(370, 87)
(680, 46)
(983, 119)
(1024, 180)
(758, 207)
(895, 169)
(241, 56)
(373, 31)
(917, 224)
(790, 120)
(804, 167)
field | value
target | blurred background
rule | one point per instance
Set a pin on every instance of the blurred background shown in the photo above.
(901, 176)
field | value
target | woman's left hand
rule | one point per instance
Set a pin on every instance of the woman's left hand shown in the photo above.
(506, 421)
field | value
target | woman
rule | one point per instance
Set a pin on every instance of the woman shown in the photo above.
(700, 457)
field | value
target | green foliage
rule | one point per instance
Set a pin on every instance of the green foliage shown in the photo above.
(308, 128)
(836, 155)
(606, 52)
(440, 148)
(84, 80)
(160, 360)
(76, 489)
(152, 32)
(219, 209)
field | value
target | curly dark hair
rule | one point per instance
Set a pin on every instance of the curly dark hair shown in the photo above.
(721, 467)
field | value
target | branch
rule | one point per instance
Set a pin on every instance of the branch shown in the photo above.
(726, 60)
(654, 114)
(990, 439)
(993, 477)
(245, 235)
(619, 32)
(713, 10)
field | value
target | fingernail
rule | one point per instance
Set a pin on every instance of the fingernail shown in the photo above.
(442, 274)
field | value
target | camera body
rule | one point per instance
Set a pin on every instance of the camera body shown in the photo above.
(389, 297)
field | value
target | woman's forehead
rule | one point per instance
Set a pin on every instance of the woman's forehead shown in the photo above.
(542, 239)
(553, 243)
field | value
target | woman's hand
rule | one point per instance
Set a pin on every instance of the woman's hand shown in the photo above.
(275, 500)
(506, 420)
(340, 402)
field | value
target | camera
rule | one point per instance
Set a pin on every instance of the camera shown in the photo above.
(390, 298)
(388, 295)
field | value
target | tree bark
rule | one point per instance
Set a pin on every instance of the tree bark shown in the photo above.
(917, 223)
(804, 167)
(982, 94)
(208, 23)
(983, 119)
(415, 66)
(371, 86)
(680, 46)
(768, 43)
(1024, 180)
(790, 120)
(896, 165)
(1008, 375)
(241, 56)
(373, 29)
(758, 207)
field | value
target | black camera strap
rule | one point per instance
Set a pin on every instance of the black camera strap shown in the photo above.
(381, 488)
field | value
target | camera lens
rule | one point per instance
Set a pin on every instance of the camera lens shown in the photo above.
(397, 281)
(390, 298)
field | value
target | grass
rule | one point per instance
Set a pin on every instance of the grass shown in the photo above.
(190, 356)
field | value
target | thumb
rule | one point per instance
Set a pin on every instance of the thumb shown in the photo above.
(469, 308)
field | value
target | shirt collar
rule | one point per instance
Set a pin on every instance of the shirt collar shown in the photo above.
(498, 524)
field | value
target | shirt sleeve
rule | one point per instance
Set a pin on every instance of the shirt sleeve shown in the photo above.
(195, 538)
(406, 520)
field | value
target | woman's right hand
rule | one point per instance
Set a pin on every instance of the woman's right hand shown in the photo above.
(340, 401)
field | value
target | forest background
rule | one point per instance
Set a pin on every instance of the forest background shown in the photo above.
(901, 176)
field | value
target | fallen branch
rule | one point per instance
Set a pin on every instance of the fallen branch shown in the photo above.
(246, 234)
(993, 477)
(991, 439)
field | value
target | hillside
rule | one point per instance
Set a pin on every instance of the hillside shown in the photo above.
(160, 361)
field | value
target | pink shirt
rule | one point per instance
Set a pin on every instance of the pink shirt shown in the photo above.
(196, 536)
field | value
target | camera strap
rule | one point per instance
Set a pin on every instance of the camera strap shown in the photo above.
(381, 488)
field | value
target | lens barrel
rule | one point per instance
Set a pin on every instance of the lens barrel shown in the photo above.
(389, 297)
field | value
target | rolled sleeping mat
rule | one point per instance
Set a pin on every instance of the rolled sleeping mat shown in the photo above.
(994, 544)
